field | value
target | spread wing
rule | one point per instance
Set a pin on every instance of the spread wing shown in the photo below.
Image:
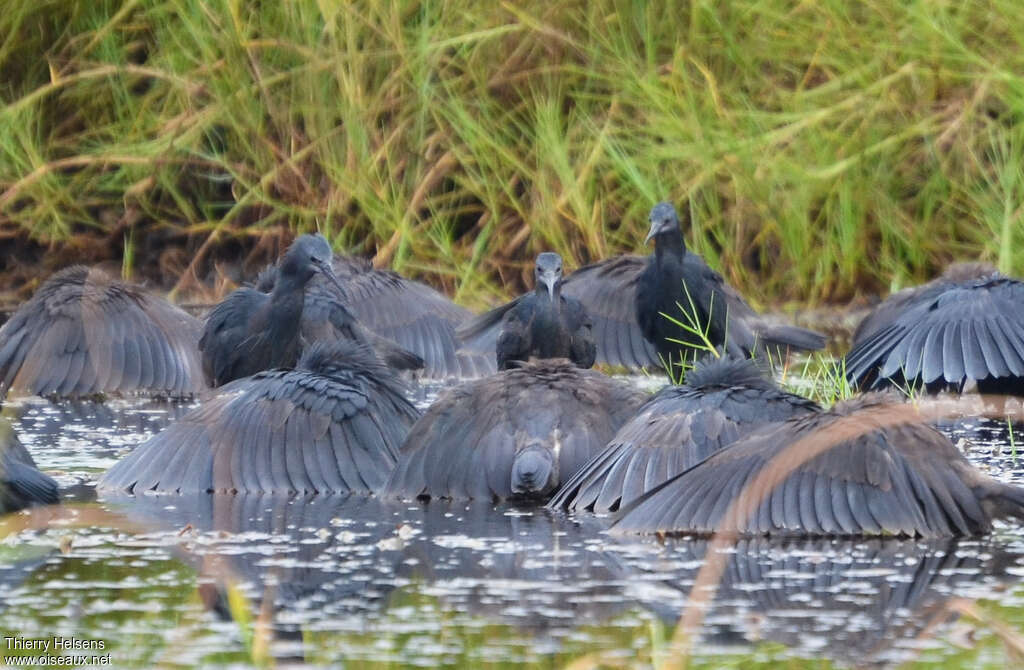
(457, 449)
(743, 329)
(972, 330)
(676, 429)
(21, 484)
(607, 290)
(889, 311)
(24, 486)
(894, 480)
(326, 318)
(282, 431)
(480, 334)
(465, 445)
(409, 324)
(415, 316)
(83, 333)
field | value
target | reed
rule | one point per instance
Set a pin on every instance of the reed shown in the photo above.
(825, 149)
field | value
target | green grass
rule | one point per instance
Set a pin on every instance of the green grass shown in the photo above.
(820, 377)
(825, 148)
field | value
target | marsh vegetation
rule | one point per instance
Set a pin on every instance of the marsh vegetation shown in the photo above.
(829, 149)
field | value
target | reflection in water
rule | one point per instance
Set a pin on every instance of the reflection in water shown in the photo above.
(298, 549)
(335, 564)
(855, 602)
(990, 434)
(532, 569)
(339, 555)
(16, 568)
(87, 436)
(343, 578)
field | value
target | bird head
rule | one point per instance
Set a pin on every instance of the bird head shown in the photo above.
(548, 271)
(534, 471)
(308, 255)
(664, 220)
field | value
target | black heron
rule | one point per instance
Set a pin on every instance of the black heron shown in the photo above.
(866, 467)
(722, 400)
(964, 329)
(83, 333)
(331, 426)
(409, 313)
(625, 297)
(541, 324)
(252, 331)
(515, 434)
(675, 278)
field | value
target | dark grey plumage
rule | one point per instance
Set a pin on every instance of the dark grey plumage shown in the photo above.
(541, 324)
(412, 314)
(518, 433)
(250, 331)
(624, 297)
(680, 284)
(965, 328)
(331, 426)
(83, 333)
(607, 290)
(722, 400)
(545, 324)
(607, 293)
(325, 318)
(892, 307)
(21, 483)
(865, 467)
(402, 312)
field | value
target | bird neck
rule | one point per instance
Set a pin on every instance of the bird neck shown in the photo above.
(669, 246)
(288, 285)
(286, 303)
(553, 298)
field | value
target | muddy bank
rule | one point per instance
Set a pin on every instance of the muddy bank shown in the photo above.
(197, 273)
(195, 268)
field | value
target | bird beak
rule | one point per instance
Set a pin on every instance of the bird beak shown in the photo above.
(550, 279)
(326, 270)
(651, 233)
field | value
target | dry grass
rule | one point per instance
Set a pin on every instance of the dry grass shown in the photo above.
(825, 148)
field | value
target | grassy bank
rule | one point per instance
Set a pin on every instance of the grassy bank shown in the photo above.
(825, 148)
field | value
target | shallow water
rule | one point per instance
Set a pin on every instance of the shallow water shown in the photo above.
(236, 580)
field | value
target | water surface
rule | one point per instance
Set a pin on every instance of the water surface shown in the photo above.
(237, 580)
